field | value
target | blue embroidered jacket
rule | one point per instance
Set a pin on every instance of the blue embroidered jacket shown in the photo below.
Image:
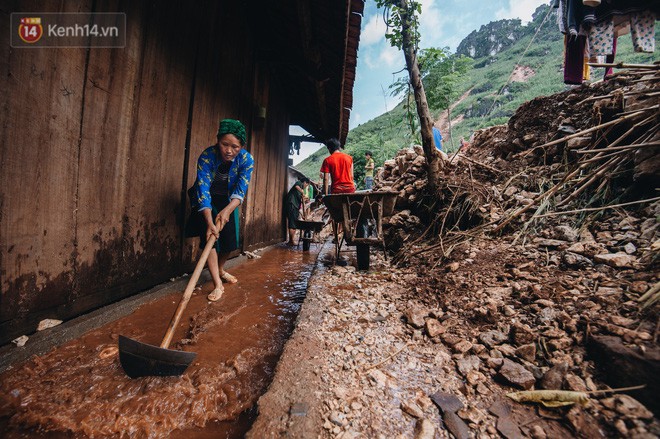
(240, 173)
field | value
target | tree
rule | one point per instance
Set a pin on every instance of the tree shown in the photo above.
(404, 25)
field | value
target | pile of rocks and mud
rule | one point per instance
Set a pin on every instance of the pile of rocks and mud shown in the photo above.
(533, 267)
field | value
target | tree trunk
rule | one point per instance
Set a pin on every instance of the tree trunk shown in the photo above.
(433, 160)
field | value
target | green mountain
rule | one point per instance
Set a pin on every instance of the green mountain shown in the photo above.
(507, 71)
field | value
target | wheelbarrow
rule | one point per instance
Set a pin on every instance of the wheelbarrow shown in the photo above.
(361, 215)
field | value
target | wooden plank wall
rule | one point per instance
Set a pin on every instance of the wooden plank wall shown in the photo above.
(268, 187)
(94, 159)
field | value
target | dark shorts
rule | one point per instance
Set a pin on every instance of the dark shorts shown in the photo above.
(292, 213)
(228, 237)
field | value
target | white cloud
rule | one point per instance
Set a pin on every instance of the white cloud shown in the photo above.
(390, 56)
(373, 32)
(431, 23)
(522, 9)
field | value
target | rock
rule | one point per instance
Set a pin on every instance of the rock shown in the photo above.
(639, 287)
(478, 348)
(456, 425)
(338, 418)
(492, 338)
(648, 228)
(584, 424)
(434, 327)
(446, 402)
(628, 406)
(498, 293)
(565, 233)
(587, 248)
(412, 409)
(415, 316)
(547, 316)
(508, 428)
(537, 432)
(616, 260)
(511, 190)
(506, 349)
(630, 248)
(527, 352)
(516, 375)
(550, 243)
(378, 377)
(522, 334)
(465, 365)
(48, 323)
(20, 341)
(424, 429)
(462, 346)
(575, 260)
(554, 378)
(620, 426)
(494, 363)
(575, 383)
(624, 366)
(453, 266)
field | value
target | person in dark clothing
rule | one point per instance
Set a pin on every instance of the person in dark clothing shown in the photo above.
(294, 199)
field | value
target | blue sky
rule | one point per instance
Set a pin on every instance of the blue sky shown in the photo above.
(444, 23)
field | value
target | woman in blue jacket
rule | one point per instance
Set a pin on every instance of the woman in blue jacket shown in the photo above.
(223, 174)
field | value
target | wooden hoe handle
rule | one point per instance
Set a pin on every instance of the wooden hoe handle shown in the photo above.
(167, 339)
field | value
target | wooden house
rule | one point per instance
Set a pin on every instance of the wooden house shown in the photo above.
(98, 145)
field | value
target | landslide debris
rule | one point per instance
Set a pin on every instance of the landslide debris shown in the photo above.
(536, 263)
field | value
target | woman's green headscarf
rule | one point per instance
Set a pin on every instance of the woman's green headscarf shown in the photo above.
(235, 127)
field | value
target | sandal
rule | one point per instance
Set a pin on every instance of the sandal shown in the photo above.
(215, 294)
(228, 278)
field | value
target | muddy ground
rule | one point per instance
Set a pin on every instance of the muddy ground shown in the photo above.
(371, 350)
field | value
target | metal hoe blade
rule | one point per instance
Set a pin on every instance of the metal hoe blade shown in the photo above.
(141, 359)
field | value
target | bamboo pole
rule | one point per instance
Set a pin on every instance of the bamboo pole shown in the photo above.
(618, 148)
(598, 173)
(626, 66)
(595, 209)
(590, 130)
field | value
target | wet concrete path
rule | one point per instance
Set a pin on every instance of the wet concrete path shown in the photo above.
(79, 389)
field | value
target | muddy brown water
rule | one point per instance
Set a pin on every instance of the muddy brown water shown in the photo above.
(73, 392)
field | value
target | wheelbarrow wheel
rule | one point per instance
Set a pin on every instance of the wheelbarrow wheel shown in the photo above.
(362, 250)
(306, 243)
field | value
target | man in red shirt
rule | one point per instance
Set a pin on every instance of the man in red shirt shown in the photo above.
(339, 166)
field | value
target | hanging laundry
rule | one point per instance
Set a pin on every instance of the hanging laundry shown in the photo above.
(601, 38)
(642, 30)
(574, 59)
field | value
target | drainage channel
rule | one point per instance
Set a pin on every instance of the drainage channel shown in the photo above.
(80, 390)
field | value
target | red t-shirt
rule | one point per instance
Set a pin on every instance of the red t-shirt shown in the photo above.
(339, 165)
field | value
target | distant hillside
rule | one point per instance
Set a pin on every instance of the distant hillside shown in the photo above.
(486, 101)
(491, 39)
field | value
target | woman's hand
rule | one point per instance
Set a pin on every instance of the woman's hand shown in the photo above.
(211, 229)
(223, 217)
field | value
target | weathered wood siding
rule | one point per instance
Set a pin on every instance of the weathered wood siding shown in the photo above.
(94, 154)
(269, 180)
